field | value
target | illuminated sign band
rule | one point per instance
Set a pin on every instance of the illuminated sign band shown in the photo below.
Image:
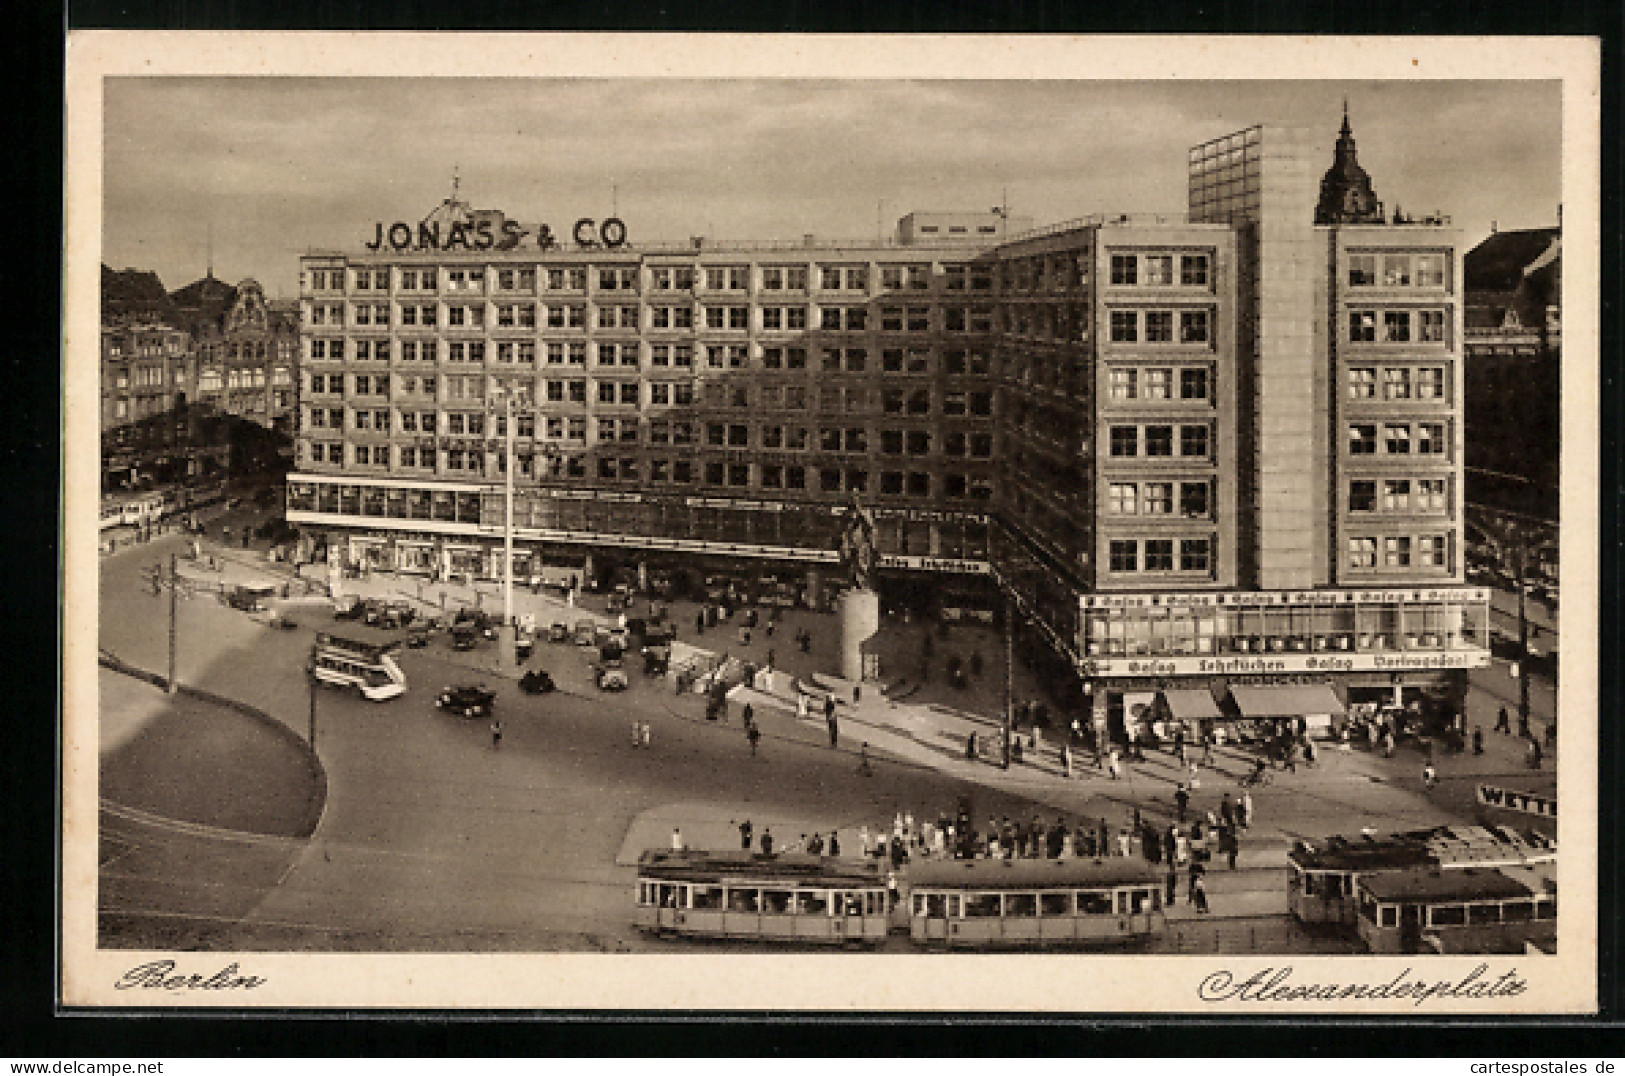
(1278, 598)
(1409, 661)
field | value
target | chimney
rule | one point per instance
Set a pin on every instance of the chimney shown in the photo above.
(1494, 227)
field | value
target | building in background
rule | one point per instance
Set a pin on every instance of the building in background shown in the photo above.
(1217, 457)
(248, 351)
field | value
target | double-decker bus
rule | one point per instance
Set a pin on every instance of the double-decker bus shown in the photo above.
(366, 667)
(792, 897)
(1043, 903)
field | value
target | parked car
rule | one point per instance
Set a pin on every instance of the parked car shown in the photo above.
(396, 615)
(353, 609)
(536, 682)
(559, 632)
(467, 700)
(418, 637)
(656, 659)
(610, 676)
(586, 633)
(464, 635)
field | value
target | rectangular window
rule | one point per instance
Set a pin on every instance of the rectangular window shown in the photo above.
(1362, 326)
(1430, 383)
(1156, 385)
(1431, 494)
(1193, 500)
(1362, 495)
(1396, 271)
(1159, 498)
(1396, 383)
(1430, 270)
(1125, 326)
(1159, 326)
(1362, 439)
(1362, 270)
(1159, 269)
(1124, 555)
(1362, 383)
(1159, 440)
(1193, 272)
(1430, 550)
(1396, 551)
(1125, 441)
(1430, 439)
(1125, 269)
(1397, 439)
(1193, 442)
(1159, 555)
(1125, 384)
(1430, 326)
(1396, 326)
(1193, 384)
(1124, 498)
(1396, 494)
(1193, 326)
(1362, 552)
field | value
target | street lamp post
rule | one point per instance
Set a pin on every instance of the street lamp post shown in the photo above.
(310, 678)
(174, 597)
(1009, 676)
(1523, 632)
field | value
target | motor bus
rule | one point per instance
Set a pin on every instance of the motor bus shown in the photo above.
(1465, 910)
(1043, 903)
(792, 897)
(1321, 876)
(366, 667)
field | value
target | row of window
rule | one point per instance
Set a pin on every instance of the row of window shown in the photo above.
(1160, 555)
(1159, 383)
(1398, 382)
(1396, 326)
(1157, 440)
(1398, 551)
(1399, 495)
(1192, 500)
(1158, 326)
(1398, 439)
(1160, 270)
(843, 277)
(1402, 270)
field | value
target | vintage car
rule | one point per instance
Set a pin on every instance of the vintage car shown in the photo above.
(396, 615)
(536, 682)
(483, 623)
(586, 633)
(558, 632)
(523, 643)
(465, 635)
(353, 609)
(610, 676)
(466, 700)
(656, 659)
(418, 637)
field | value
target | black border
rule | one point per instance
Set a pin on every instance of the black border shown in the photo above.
(34, 1027)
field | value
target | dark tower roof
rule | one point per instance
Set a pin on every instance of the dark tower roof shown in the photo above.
(1346, 196)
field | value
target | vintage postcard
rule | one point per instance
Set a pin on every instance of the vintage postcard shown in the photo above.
(856, 524)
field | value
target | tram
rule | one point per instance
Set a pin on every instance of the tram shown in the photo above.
(1464, 910)
(996, 903)
(1321, 877)
(792, 897)
(366, 667)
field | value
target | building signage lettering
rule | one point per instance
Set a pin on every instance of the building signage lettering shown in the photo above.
(1510, 800)
(487, 234)
(1276, 599)
(1286, 663)
(933, 564)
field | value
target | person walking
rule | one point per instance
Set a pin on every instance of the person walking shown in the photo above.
(1246, 812)
(1227, 811)
(749, 715)
(1199, 895)
(1066, 760)
(745, 832)
(496, 735)
(767, 842)
(1171, 895)
(801, 706)
(645, 729)
(1430, 776)
(676, 840)
(1478, 741)
(834, 839)
(863, 760)
(637, 735)
(1230, 841)
(830, 721)
(753, 736)
(1503, 722)
(1182, 802)
(1114, 767)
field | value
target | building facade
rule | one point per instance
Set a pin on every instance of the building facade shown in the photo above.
(1199, 454)
(248, 357)
(146, 368)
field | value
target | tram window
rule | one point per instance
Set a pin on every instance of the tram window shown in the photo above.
(1055, 903)
(1139, 900)
(643, 893)
(875, 902)
(1333, 889)
(668, 896)
(812, 902)
(742, 900)
(1094, 902)
(1517, 911)
(776, 901)
(1447, 915)
(956, 906)
(707, 898)
(1388, 915)
(1546, 909)
(1483, 913)
(982, 906)
(931, 905)
(1024, 905)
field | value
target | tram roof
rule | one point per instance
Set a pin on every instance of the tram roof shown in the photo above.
(1443, 845)
(693, 865)
(1032, 873)
(1464, 884)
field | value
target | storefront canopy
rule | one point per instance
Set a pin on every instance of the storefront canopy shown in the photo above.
(1285, 700)
(1191, 705)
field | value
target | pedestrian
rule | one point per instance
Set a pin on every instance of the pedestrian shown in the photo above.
(753, 735)
(767, 842)
(699, 623)
(1227, 811)
(496, 735)
(864, 841)
(970, 747)
(676, 840)
(1207, 747)
(1533, 755)
(1430, 776)
(863, 760)
(1503, 721)
(646, 735)
(1066, 760)
(1182, 801)
(834, 838)
(829, 720)
(1113, 766)
(749, 715)
(1232, 845)
(1171, 896)
(1195, 880)
(637, 734)
(1246, 812)
(1124, 843)
(745, 832)
(1478, 741)
(815, 847)
(1523, 727)
(1199, 895)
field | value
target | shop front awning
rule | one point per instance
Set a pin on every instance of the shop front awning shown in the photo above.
(1285, 700)
(1191, 705)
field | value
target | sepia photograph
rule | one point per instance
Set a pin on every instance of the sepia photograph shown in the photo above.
(796, 526)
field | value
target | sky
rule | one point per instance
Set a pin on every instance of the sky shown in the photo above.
(256, 171)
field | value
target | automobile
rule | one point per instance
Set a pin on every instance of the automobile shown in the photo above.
(620, 638)
(610, 676)
(620, 600)
(558, 632)
(466, 700)
(352, 610)
(483, 623)
(586, 633)
(636, 627)
(372, 612)
(536, 682)
(418, 637)
(524, 642)
(656, 659)
(396, 615)
(464, 635)
(251, 597)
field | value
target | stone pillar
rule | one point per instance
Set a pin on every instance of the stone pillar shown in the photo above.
(860, 620)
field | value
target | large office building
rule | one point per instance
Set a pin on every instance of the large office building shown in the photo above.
(1215, 457)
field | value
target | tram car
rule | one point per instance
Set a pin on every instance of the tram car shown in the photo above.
(1464, 910)
(1321, 877)
(1039, 903)
(792, 897)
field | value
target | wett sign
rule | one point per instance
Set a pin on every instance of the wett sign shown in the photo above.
(1286, 663)
(1509, 800)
